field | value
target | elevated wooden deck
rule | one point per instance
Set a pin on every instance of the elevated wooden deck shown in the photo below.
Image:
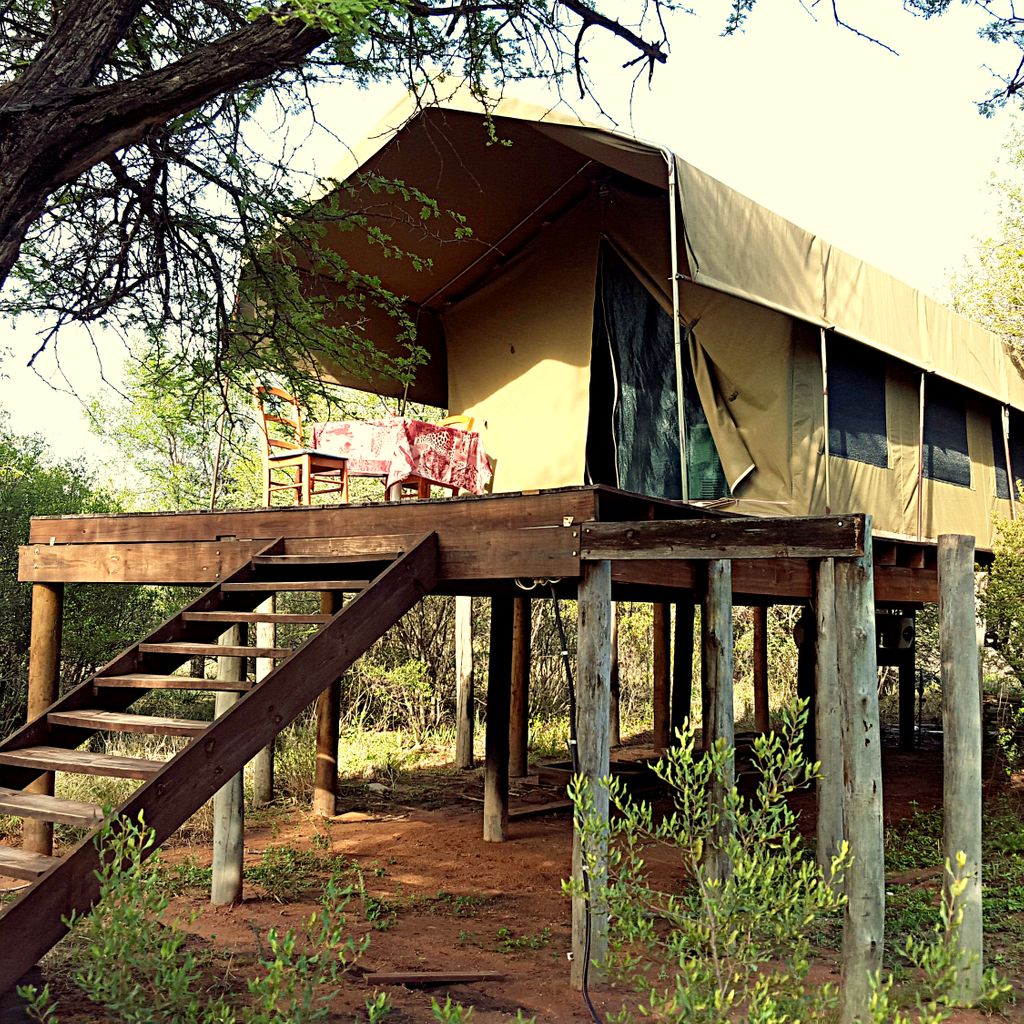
(486, 544)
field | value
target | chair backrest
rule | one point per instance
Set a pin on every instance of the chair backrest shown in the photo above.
(280, 420)
(461, 422)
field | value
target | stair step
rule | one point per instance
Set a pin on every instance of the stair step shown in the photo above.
(81, 762)
(282, 617)
(314, 559)
(154, 681)
(269, 586)
(216, 650)
(116, 721)
(21, 864)
(49, 808)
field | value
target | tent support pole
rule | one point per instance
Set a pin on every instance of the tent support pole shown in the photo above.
(920, 462)
(1010, 479)
(677, 333)
(824, 407)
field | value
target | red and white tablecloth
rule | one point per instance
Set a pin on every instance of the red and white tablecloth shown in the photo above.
(397, 448)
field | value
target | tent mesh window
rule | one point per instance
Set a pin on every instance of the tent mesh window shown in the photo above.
(946, 457)
(856, 403)
(634, 421)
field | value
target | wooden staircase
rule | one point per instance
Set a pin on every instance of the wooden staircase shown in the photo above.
(387, 586)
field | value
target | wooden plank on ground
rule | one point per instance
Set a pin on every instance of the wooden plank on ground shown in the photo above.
(423, 979)
(798, 537)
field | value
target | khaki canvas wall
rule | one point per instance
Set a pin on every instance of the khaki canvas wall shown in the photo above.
(519, 357)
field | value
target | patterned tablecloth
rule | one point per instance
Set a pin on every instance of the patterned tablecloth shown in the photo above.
(397, 448)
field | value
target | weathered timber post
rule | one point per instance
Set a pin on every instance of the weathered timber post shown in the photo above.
(593, 657)
(464, 711)
(762, 718)
(828, 719)
(328, 730)
(907, 694)
(682, 666)
(864, 922)
(961, 758)
(717, 647)
(229, 800)
(662, 641)
(43, 686)
(519, 713)
(805, 670)
(499, 686)
(263, 762)
(614, 716)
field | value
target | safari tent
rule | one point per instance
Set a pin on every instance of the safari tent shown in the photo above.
(620, 317)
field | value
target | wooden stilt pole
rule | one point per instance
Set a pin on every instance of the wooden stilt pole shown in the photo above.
(229, 800)
(864, 922)
(519, 715)
(805, 670)
(828, 719)
(614, 715)
(662, 673)
(682, 666)
(328, 726)
(762, 718)
(717, 646)
(908, 695)
(263, 762)
(464, 705)
(43, 686)
(593, 656)
(961, 759)
(499, 686)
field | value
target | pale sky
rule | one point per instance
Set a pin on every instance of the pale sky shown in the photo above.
(883, 155)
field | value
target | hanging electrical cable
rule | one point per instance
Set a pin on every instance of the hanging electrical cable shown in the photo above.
(574, 756)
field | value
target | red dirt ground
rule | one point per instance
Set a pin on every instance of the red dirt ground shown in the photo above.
(410, 855)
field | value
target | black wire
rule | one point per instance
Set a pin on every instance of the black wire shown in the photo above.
(574, 755)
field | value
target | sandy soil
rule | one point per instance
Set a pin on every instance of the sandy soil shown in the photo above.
(453, 895)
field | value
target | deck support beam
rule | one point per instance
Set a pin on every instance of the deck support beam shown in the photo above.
(828, 719)
(762, 712)
(328, 731)
(961, 760)
(263, 762)
(464, 704)
(499, 687)
(43, 686)
(682, 666)
(864, 879)
(717, 648)
(662, 658)
(229, 800)
(593, 655)
(519, 715)
(908, 694)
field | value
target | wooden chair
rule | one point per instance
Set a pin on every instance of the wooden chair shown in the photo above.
(307, 472)
(420, 488)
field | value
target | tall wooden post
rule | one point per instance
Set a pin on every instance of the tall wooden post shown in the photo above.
(499, 686)
(263, 762)
(328, 727)
(614, 715)
(662, 673)
(828, 719)
(806, 659)
(717, 646)
(519, 713)
(229, 800)
(464, 709)
(863, 926)
(682, 666)
(593, 655)
(43, 687)
(961, 758)
(762, 717)
(908, 695)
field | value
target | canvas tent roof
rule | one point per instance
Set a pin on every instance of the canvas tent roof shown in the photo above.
(508, 193)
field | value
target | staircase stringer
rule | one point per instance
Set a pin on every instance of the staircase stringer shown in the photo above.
(39, 731)
(35, 922)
